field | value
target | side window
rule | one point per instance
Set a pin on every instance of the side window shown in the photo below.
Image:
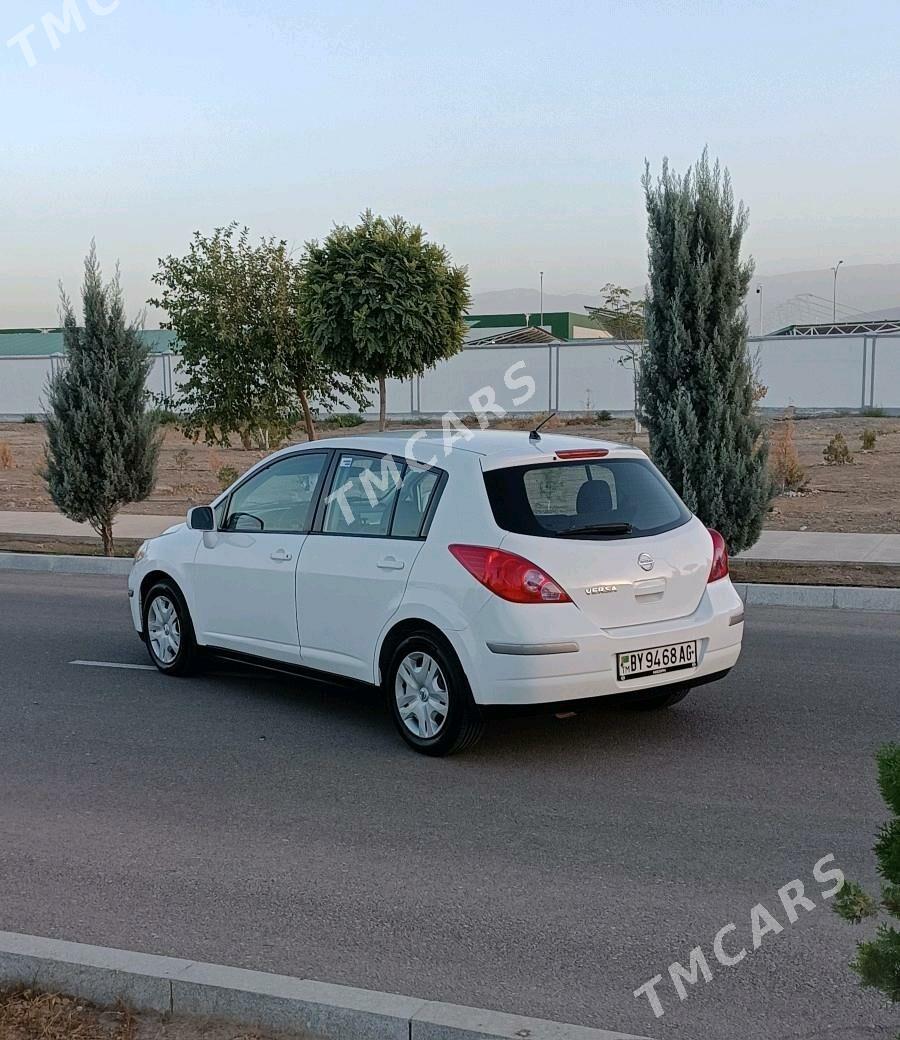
(280, 498)
(362, 496)
(412, 505)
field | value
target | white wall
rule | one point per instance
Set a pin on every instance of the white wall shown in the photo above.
(814, 372)
(22, 382)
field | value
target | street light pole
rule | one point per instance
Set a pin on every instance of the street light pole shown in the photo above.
(759, 293)
(834, 296)
(542, 299)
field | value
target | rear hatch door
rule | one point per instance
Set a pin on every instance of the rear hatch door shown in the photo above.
(610, 530)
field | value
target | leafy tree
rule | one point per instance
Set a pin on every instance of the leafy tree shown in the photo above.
(234, 308)
(102, 441)
(618, 313)
(696, 381)
(380, 301)
(877, 962)
(623, 318)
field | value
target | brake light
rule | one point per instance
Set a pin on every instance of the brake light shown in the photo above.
(719, 568)
(508, 576)
(582, 453)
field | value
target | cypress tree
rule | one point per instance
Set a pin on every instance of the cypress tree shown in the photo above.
(102, 441)
(696, 376)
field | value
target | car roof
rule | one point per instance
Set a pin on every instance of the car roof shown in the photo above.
(477, 442)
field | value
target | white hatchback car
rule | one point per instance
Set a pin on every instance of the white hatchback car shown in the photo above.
(500, 569)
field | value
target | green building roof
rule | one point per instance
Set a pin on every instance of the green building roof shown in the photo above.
(562, 324)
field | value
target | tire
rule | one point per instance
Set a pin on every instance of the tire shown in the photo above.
(430, 698)
(656, 700)
(165, 615)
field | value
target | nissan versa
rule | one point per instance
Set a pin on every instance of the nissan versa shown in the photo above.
(502, 569)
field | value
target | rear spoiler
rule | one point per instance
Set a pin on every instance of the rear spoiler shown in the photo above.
(540, 457)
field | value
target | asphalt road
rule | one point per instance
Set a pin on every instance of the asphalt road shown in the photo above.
(275, 824)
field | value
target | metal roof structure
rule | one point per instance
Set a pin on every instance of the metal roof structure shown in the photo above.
(841, 328)
(526, 334)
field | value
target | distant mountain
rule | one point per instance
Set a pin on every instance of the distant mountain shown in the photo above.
(517, 301)
(800, 297)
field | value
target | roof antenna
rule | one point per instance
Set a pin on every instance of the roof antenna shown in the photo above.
(534, 435)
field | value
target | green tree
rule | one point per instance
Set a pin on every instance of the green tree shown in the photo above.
(696, 381)
(380, 301)
(877, 962)
(618, 314)
(233, 306)
(102, 441)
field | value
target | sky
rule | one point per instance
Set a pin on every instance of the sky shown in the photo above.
(514, 132)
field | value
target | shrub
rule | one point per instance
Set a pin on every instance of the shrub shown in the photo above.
(6, 456)
(226, 476)
(603, 416)
(787, 472)
(868, 440)
(167, 417)
(345, 420)
(836, 452)
(878, 962)
(29, 419)
(873, 413)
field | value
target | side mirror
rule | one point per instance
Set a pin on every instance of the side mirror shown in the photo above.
(201, 518)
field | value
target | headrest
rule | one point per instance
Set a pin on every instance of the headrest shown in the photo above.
(594, 498)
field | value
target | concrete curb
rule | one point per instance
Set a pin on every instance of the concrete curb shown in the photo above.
(52, 563)
(146, 982)
(840, 597)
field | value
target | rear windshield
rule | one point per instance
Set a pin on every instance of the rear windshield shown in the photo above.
(615, 498)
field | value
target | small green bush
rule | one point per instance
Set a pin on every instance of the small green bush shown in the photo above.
(603, 416)
(868, 440)
(226, 476)
(29, 419)
(877, 962)
(873, 413)
(346, 420)
(836, 452)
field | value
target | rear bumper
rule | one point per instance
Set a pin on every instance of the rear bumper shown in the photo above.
(559, 669)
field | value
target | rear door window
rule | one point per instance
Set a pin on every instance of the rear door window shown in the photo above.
(615, 498)
(363, 495)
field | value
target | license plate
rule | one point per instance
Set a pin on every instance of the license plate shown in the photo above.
(658, 659)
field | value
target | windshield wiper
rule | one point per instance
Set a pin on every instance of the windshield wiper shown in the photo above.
(620, 528)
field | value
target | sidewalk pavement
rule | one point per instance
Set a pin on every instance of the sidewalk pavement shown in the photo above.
(825, 547)
(51, 525)
(799, 546)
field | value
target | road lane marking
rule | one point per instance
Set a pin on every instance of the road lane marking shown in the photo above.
(116, 664)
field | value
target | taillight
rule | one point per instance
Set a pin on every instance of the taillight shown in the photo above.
(719, 567)
(509, 576)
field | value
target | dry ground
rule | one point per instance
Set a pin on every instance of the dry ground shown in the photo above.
(864, 496)
(29, 1015)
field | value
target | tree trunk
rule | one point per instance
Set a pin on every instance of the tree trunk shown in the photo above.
(382, 406)
(105, 530)
(307, 415)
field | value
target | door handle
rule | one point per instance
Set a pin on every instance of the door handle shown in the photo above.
(280, 556)
(390, 563)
